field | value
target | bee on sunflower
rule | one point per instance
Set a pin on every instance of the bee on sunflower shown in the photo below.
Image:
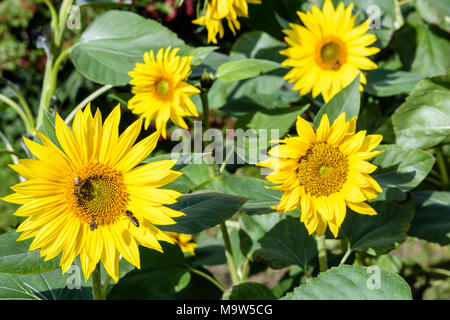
(328, 51)
(325, 171)
(80, 200)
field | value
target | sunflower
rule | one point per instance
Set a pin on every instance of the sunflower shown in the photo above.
(217, 10)
(328, 52)
(324, 172)
(184, 241)
(90, 198)
(160, 90)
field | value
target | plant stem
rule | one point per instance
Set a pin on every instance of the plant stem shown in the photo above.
(20, 112)
(346, 255)
(205, 105)
(441, 162)
(97, 284)
(105, 286)
(22, 100)
(229, 253)
(322, 253)
(63, 12)
(207, 277)
(89, 98)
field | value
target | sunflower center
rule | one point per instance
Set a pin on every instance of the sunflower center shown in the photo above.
(163, 87)
(97, 195)
(322, 170)
(331, 53)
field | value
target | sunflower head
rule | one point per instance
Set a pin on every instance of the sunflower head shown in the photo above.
(90, 198)
(328, 51)
(160, 89)
(324, 172)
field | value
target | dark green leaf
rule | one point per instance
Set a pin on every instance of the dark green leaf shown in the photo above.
(385, 83)
(249, 291)
(432, 218)
(203, 210)
(244, 69)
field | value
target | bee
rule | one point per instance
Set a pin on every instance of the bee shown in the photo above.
(77, 184)
(133, 219)
(93, 224)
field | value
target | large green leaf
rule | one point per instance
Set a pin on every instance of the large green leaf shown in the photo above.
(385, 83)
(260, 198)
(435, 12)
(203, 210)
(432, 217)
(400, 170)
(116, 40)
(15, 257)
(287, 243)
(380, 232)
(245, 68)
(249, 291)
(353, 283)
(347, 100)
(423, 121)
(161, 273)
(258, 45)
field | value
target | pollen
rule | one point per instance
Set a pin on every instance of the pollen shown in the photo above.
(331, 53)
(322, 170)
(97, 191)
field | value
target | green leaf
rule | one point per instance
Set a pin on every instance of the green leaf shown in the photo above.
(161, 273)
(385, 83)
(258, 45)
(423, 121)
(353, 283)
(257, 226)
(260, 198)
(381, 232)
(400, 170)
(104, 3)
(116, 40)
(347, 100)
(432, 218)
(435, 12)
(244, 69)
(249, 291)
(431, 57)
(203, 210)
(16, 258)
(286, 244)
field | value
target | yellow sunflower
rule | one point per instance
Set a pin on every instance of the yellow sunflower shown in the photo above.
(90, 198)
(184, 241)
(328, 52)
(324, 172)
(217, 10)
(160, 90)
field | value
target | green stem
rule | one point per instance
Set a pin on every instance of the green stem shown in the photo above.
(22, 100)
(207, 277)
(55, 70)
(442, 165)
(20, 112)
(46, 86)
(322, 252)
(54, 21)
(86, 100)
(346, 255)
(245, 267)
(205, 105)
(10, 148)
(63, 12)
(229, 253)
(97, 284)
(105, 286)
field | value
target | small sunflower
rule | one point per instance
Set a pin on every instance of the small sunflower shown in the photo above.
(90, 198)
(160, 90)
(184, 241)
(217, 10)
(328, 52)
(324, 172)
